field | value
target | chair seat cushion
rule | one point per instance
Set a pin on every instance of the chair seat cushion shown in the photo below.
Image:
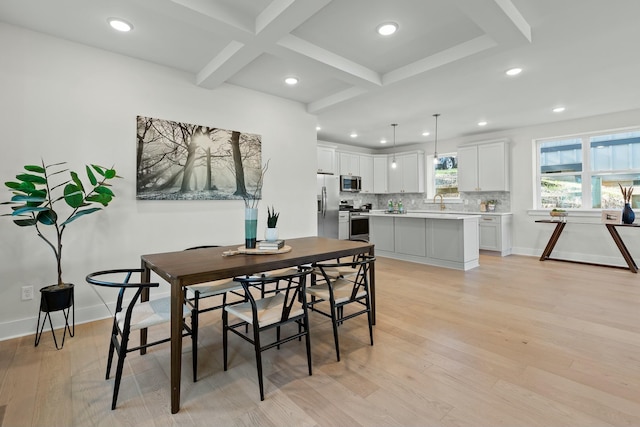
(216, 287)
(150, 313)
(269, 310)
(342, 290)
(335, 272)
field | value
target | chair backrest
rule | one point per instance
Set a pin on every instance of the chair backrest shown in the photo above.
(120, 279)
(291, 287)
(361, 264)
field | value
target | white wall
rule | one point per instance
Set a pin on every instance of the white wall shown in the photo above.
(67, 102)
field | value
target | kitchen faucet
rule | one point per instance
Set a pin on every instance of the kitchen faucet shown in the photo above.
(442, 207)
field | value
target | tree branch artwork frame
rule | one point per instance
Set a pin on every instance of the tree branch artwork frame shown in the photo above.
(183, 161)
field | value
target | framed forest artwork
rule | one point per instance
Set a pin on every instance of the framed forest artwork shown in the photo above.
(182, 161)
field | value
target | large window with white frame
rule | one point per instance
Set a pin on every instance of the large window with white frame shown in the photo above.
(586, 171)
(442, 176)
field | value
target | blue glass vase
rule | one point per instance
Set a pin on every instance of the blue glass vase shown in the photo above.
(627, 214)
(250, 227)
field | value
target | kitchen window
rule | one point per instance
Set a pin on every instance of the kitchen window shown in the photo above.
(442, 176)
(583, 171)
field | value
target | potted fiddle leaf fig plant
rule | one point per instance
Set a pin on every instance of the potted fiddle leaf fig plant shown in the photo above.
(46, 202)
(271, 234)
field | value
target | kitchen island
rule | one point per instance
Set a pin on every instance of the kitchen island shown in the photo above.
(444, 240)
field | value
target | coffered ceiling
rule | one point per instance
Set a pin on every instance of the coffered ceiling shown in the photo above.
(447, 57)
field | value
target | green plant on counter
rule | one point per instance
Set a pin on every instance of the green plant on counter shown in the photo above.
(35, 204)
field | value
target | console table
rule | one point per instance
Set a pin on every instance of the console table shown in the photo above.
(560, 225)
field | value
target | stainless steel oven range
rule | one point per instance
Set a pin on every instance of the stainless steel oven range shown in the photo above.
(358, 225)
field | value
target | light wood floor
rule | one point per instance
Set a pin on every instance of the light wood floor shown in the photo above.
(515, 342)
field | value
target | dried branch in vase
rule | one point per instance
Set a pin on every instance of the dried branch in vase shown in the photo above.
(626, 193)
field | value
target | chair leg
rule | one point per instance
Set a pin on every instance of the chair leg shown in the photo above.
(308, 341)
(112, 346)
(334, 322)
(256, 341)
(122, 354)
(225, 327)
(369, 320)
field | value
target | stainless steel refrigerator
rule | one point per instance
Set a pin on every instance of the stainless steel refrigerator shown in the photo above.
(328, 190)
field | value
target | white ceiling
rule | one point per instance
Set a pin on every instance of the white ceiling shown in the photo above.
(448, 57)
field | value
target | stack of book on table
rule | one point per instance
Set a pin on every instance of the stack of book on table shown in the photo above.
(271, 245)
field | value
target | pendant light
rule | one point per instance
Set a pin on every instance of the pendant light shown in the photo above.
(435, 149)
(393, 162)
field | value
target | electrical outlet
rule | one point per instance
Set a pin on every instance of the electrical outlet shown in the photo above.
(27, 293)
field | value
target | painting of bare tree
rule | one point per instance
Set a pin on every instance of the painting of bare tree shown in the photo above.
(181, 161)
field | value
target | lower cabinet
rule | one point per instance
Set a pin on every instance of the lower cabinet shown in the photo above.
(495, 233)
(451, 243)
(410, 236)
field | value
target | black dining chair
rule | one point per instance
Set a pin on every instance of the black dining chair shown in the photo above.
(134, 315)
(337, 290)
(195, 293)
(280, 307)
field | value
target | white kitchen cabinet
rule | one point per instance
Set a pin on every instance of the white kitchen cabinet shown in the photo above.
(349, 163)
(343, 225)
(484, 167)
(380, 174)
(383, 237)
(326, 160)
(408, 176)
(449, 241)
(410, 237)
(495, 233)
(366, 173)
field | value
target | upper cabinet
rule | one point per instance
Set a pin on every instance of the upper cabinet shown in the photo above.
(484, 167)
(380, 174)
(408, 176)
(366, 173)
(326, 160)
(349, 164)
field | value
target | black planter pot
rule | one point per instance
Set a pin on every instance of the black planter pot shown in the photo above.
(56, 298)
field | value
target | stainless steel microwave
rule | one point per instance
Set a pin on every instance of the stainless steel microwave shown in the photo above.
(350, 183)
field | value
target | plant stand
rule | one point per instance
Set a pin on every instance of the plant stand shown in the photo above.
(56, 298)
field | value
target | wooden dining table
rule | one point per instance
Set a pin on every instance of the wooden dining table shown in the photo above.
(183, 268)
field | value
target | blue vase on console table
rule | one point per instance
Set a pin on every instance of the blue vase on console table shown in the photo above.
(628, 216)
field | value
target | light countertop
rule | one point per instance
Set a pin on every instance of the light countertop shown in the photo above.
(425, 214)
(444, 212)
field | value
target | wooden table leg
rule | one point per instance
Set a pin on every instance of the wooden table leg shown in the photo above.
(622, 247)
(546, 254)
(176, 344)
(145, 278)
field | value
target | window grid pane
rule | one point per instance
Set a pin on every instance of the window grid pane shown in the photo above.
(588, 170)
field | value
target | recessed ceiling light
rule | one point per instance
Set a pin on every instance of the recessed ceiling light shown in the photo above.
(558, 109)
(425, 134)
(291, 81)
(120, 24)
(318, 128)
(383, 141)
(353, 135)
(387, 28)
(482, 123)
(514, 71)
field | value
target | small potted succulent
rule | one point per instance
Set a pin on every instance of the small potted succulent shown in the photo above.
(271, 234)
(36, 193)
